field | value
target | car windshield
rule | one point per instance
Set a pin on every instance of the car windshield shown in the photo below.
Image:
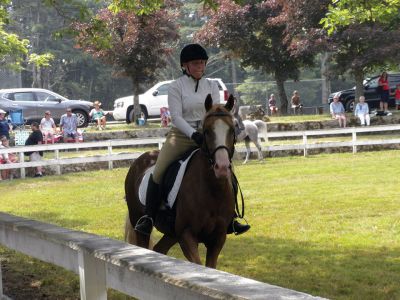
(371, 82)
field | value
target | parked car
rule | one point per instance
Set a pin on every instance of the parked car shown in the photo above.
(370, 92)
(152, 100)
(34, 102)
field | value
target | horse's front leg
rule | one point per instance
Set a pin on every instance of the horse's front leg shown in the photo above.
(164, 244)
(214, 249)
(190, 247)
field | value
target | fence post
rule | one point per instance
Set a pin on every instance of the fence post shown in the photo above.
(21, 159)
(57, 157)
(160, 145)
(110, 162)
(354, 140)
(92, 277)
(305, 143)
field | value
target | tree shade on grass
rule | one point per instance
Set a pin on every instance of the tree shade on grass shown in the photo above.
(327, 225)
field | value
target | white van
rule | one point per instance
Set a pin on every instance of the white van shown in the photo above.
(152, 100)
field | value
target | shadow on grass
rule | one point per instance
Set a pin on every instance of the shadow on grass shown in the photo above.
(56, 219)
(335, 273)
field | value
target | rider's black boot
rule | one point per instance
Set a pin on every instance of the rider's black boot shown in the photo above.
(145, 224)
(237, 228)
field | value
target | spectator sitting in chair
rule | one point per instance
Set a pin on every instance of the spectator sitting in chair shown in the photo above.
(7, 158)
(69, 125)
(272, 105)
(362, 111)
(48, 127)
(98, 115)
(337, 111)
(296, 105)
(35, 138)
(5, 125)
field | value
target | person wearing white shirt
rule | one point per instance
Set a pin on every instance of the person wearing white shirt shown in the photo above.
(362, 111)
(186, 97)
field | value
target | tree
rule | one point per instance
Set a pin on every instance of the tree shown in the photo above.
(365, 35)
(134, 44)
(255, 33)
(12, 48)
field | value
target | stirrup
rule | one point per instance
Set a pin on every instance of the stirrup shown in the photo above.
(239, 228)
(143, 226)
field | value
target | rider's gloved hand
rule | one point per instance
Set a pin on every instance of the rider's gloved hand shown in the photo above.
(197, 137)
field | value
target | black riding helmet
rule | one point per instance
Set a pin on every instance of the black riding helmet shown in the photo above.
(193, 52)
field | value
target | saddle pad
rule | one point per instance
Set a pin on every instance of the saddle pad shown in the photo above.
(175, 188)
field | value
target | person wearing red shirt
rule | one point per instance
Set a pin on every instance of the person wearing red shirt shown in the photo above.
(397, 96)
(383, 82)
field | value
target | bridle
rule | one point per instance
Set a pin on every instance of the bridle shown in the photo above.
(206, 150)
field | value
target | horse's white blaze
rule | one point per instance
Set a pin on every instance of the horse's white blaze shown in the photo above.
(222, 163)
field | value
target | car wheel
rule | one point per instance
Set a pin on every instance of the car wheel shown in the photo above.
(349, 105)
(129, 119)
(83, 118)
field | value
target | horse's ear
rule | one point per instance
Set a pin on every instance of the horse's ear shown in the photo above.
(230, 103)
(208, 103)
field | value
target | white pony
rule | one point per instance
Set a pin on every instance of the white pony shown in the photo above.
(249, 131)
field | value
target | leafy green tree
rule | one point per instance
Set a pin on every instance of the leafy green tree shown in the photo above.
(134, 44)
(12, 48)
(364, 35)
(255, 33)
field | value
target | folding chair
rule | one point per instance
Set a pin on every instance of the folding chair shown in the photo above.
(17, 119)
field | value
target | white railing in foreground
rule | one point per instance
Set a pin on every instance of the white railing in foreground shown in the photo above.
(106, 263)
(110, 157)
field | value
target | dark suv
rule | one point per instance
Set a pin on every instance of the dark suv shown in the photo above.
(370, 93)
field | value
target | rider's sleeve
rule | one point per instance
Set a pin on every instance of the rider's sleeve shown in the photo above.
(175, 108)
(215, 92)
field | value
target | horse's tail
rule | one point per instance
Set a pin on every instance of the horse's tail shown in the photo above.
(130, 234)
(262, 129)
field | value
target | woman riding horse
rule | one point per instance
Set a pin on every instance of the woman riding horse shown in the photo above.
(186, 104)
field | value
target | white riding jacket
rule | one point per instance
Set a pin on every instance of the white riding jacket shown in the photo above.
(186, 99)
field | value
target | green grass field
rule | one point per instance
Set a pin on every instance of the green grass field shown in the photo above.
(327, 225)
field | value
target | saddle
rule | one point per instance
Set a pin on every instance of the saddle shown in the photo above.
(169, 188)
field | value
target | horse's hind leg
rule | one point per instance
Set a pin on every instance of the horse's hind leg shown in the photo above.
(247, 143)
(259, 148)
(190, 247)
(164, 244)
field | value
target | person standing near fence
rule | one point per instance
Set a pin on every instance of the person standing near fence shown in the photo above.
(337, 111)
(397, 96)
(7, 158)
(35, 138)
(362, 111)
(383, 85)
(272, 105)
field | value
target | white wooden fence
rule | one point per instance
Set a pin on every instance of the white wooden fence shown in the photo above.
(58, 162)
(305, 145)
(106, 263)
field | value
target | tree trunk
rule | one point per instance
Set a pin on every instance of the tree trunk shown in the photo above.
(326, 80)
(359, 78)
(136, 106)
(280, 84)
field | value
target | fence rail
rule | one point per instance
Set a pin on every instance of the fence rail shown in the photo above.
(305, 145)
(106, 263)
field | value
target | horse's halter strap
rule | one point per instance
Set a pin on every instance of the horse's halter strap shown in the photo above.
(211, 155)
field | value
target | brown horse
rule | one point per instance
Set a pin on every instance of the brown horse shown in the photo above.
(205, 201)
